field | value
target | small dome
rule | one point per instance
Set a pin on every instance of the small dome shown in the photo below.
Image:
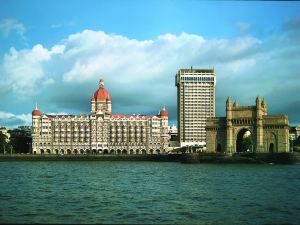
(163, 112)
(36, 112)
(101, 95)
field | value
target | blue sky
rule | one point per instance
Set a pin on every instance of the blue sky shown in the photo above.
(54, 52)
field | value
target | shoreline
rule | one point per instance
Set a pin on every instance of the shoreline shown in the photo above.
(215, 158)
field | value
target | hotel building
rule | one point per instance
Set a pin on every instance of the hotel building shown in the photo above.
(195, 103)
(100, 132)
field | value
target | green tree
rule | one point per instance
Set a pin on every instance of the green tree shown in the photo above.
(3, 144)
(296, 144)
(20, 141)
(297, 141)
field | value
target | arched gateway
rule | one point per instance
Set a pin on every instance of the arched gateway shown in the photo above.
(247, 129)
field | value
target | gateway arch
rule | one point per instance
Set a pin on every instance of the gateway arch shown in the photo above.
(265, 133)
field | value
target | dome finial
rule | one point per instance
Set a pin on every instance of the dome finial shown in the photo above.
(101, 82)
(36, 111)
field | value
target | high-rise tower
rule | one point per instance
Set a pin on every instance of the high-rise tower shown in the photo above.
(195, 103)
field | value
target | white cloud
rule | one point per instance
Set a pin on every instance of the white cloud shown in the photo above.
(144, 68)
(85, 56)
(94, 53)
(9, 26)
(11, 120)
(24, 69)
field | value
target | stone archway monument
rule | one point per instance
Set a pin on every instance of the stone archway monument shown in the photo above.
(269, 133)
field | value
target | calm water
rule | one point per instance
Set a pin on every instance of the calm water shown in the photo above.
(148, 192)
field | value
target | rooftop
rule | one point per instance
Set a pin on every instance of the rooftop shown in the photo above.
(191, 70)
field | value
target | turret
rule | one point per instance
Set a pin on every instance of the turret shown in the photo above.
(228, 103)
(259, 125)
(264, 106)
(36, 112)
(235, 104)
(228, 108)
(36, 127)
(258, 102)
(229, 128)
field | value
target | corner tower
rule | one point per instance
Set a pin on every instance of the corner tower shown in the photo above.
(36, 128)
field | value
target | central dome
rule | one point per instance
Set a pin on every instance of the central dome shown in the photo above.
(101, 94)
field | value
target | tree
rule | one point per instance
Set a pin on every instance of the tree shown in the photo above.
(297, 141)
(296, 144)
(3, 144)
(20, 141)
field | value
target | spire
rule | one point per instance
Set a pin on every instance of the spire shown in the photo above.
(36, 107)
(228, 103)
(258, 98)
(235, 104)
(101, 82)
(258, 101)
(264, 104)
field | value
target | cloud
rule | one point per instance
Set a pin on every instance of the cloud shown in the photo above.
(292, 28)
(139, 74)
(10, 26)
(243, 27)
(24, 69)
(11, 120)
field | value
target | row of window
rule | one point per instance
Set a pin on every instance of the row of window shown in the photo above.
(197, 78)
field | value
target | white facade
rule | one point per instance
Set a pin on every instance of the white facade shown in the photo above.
(195, 103)
(172, 130)
(100, 132)
(298, 131)
(4, 131)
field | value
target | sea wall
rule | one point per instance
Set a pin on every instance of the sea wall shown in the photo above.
(29, 157)
(260, 158)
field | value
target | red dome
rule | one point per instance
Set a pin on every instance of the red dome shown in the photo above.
(36, 112)
(101, 95)
(164, 112)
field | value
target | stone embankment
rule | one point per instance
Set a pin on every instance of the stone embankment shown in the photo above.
(258, 158)
(261, 158)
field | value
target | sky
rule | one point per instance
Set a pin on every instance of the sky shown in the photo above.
(55, 52)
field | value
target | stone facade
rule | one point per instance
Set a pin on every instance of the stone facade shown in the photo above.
(99, 132)
(270, 133)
